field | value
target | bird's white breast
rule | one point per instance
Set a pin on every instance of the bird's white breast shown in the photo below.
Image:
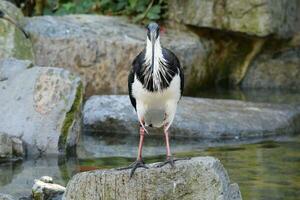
(152, 106)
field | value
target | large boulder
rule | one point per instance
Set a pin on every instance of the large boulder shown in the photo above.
(275, 70)
(41, 106)
(13, 43)
(102, 48)
(196, 117)
(198, 178)
(253, 17)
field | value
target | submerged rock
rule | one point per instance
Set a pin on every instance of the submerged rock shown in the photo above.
(45, 190)
(41, 106)
(253, 17)
(196, 117)
(198, 178)
(101, 48)
(13, 43)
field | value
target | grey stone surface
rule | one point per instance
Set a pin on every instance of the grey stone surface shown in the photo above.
(13, 43)
(101, 48)
(196, 117)
(198, 178)
(11, 67)
(41, 106)
(254, 17)
(46, 191)
(279, 70)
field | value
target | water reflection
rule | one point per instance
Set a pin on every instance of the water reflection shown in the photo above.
(16, 178)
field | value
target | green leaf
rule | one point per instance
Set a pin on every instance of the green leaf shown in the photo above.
(155, 9)
(153, 16)
(132, 3)
(138, 18)
(154, 12)
(120, 5)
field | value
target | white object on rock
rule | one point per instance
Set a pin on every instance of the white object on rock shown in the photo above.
(45, 191)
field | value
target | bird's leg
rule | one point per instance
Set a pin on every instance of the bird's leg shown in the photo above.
(169, 159)
(139, 161)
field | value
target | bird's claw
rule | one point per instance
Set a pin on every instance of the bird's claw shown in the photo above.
(170, 160)
(134, 166)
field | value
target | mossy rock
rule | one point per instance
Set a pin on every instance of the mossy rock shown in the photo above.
(42, 106)
(13, 43)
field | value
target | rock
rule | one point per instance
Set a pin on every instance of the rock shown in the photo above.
(11, 67)
(5, 146)
(196, 117)
(18, 149)
(13, 43)
(46, 191)
(6, 197)
(102, 48)
(41, 106)
(197, 178)
(46, 179)
(254, 17)
(10, 147)
(279, 70)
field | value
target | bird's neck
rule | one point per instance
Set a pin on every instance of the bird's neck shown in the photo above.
(154, 65)
(153, 55)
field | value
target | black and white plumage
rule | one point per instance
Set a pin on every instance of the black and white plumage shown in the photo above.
(155, 85)
(155, 82)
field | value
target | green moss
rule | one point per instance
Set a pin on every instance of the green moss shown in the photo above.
(70, 117)
(37, 195)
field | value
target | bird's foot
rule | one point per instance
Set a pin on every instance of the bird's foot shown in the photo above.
(170, 160)
(136, 164)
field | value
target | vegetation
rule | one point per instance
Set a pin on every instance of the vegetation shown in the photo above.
(140, 11)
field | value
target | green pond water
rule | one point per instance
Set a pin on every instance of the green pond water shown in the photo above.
(265, 169)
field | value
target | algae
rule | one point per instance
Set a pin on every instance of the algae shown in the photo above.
(70, 117)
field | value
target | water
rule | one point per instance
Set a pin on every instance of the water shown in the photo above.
(267, 168)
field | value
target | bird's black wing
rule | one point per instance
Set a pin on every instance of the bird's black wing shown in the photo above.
(174, 63)
(136, 68)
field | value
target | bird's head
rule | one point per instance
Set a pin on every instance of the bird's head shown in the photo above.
(153, 32)
(6, 17)
(153, 48)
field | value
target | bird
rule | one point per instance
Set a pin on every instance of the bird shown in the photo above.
(4, 16)
(155, 86)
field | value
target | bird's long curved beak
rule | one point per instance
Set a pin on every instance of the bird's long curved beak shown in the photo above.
(16, 24)
(153, 37)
